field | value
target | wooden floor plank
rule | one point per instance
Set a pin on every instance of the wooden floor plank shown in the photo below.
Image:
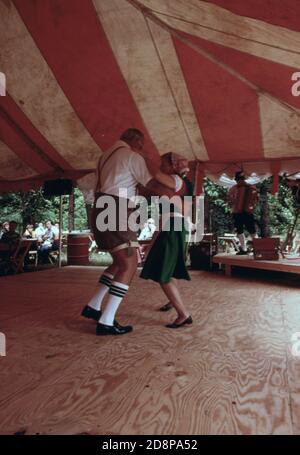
(295, 405)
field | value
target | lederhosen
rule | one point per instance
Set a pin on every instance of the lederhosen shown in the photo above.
(107, 240)
(243, 209)
(167, 257)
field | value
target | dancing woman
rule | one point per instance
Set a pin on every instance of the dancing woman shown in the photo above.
(165, 263)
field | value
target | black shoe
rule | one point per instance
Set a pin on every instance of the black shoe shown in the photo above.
(90, 313)
(103, 329)
(128, 328)
(242, 253)
(188, 320)
(167, 307)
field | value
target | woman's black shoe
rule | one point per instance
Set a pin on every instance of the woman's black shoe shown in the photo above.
(103, 329)
(167, 307)
(188, 320)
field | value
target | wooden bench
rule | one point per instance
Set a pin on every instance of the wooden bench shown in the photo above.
(282, 265)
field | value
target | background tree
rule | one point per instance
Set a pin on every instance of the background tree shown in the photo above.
(32, 207)
(219, 212)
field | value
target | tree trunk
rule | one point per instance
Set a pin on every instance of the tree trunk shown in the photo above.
(264, 215)
(207, 214)
(89, 210)
(71, 211)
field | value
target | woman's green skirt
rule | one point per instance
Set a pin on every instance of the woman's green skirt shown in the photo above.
(166, 258)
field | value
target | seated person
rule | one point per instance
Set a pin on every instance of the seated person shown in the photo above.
(5, 228)
(39, 231)
(9, 241)
(56, 229)
(146, 234)
(29, 232)
(48, 242)
(148, 230)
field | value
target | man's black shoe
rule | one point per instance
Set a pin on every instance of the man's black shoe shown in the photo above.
(103, 329)
(90, 313)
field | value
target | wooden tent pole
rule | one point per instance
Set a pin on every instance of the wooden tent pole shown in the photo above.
(60, 228)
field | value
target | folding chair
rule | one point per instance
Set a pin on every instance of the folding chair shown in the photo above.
(33, 255)
(16, 261)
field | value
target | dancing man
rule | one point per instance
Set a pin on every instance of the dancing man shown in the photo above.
(119, 171)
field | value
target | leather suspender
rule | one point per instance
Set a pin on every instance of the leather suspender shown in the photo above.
(100, 169)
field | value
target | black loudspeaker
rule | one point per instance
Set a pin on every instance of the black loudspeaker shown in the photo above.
(201, 254)
(57, 187)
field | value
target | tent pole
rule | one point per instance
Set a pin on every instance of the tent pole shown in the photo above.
(60, 229)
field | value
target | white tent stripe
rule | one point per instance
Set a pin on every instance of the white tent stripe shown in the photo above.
(280, 130)
(220, 26)
(140, 61)
(176, 81)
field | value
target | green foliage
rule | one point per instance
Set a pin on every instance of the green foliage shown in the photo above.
(219, 214)
(217, 195)
(32, 207)
(281, 208)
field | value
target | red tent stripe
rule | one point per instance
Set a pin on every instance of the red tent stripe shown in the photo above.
(227, 110)
(73, 42)
(40, 148)
(276, 12)
(274, 78)
(19, 145)
(13, 140)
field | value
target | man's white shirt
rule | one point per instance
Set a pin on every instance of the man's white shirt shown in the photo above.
(122, 172)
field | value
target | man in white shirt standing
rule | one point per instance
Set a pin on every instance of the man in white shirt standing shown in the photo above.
(120, 170)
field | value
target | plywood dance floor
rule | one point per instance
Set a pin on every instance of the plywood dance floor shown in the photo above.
(232, 372)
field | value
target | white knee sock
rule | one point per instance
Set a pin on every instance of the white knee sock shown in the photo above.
(242, 240)
(102, 289)
(117, 292)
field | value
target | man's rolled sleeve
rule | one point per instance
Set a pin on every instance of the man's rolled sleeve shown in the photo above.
(139, 169)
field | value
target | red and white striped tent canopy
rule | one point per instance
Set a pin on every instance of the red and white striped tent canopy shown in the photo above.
(211, 80)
